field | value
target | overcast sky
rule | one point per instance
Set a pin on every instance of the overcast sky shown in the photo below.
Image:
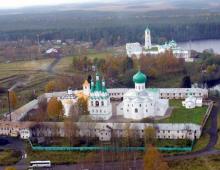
(5, 4)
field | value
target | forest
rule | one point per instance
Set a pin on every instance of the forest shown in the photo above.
(116, 28)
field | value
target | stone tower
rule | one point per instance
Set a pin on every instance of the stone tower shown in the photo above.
(147, 39)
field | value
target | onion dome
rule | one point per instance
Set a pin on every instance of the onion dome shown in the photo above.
(139, 77)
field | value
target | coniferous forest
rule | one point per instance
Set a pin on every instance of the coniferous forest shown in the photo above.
(114, 27)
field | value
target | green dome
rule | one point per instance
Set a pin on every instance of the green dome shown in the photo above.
(139, 77)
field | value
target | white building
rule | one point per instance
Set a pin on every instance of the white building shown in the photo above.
(147, 39)
(192, 102)
(136, 49)
(68, 101)
(99, 104)
(140, 103)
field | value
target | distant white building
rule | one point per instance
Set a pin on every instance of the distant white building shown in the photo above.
(192, 102)
(147, 39)
(136, 49)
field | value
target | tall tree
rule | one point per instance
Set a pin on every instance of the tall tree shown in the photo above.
(50, 86)
(70, 130)
(12, 99)
(149, 135)
(153, 160)
(186, 82)
(54, 108)
(83, 106)
(10, 168)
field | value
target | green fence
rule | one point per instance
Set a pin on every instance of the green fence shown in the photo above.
(107, 148)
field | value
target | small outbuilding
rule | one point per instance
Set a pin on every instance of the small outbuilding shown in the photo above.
(192, 102)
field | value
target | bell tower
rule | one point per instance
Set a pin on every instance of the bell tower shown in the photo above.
(147, 39)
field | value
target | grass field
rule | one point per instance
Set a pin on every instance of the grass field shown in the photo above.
(27, 65)
(217, 146)
(9, 157)
(66, 62)
(201, 163)
(182, 115)
(202, 142)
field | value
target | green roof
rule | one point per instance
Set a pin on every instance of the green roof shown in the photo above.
(147, 29)
(98, 86)
(139, 77)
(92, 86)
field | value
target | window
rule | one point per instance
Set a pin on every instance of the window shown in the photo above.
(102, 103)
(136, 110)
(140, 105)
(97, 103)
(146, 110)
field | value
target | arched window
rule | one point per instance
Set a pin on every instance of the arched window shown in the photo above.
(136, 110)
(140, 105)
(91, 103)
(97, 103)
(102, 103)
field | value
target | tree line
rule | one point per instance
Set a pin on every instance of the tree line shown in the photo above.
(114, 27)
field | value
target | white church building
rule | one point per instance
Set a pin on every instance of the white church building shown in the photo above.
(99, 104)
(135, 49)
(140, 102)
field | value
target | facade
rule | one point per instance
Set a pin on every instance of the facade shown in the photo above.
(140, 102)
(99, 104)
(68, 101)
(147, 39)
(192, 102)
(136, 49)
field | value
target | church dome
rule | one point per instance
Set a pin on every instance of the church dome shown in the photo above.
(139, 77)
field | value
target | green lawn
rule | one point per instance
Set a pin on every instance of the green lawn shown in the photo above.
(217, 146)
(183, 115)
(202, 142)
(9, 157)
(201, 163)
(27, 65)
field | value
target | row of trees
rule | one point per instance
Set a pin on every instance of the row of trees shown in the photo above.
(119, 70)
(113, 27)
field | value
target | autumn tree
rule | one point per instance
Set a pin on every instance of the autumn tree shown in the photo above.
(83, 106)
(10, 168)
(149, 135)
(41, 111)
(12, 99)
(153, 160)
(74, 112)
(54, 108)
(50, 86)
(70, 129)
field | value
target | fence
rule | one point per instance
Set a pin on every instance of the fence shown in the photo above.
(107, 148)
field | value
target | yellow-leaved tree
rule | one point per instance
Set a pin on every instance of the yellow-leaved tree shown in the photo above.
(10, 168)
(50, 86)
(153, 160)
(12, 99)
(54, 108)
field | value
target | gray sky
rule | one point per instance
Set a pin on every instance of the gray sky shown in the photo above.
(6, 4)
